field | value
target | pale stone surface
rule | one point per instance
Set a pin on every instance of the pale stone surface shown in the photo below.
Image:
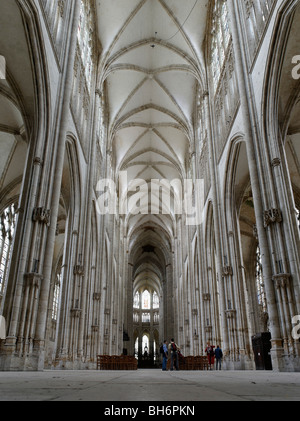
(149, 385)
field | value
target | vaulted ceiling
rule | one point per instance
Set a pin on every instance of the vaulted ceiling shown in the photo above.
(152, 63)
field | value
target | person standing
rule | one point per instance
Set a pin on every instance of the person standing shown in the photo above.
(210, 355)
(174, 349)
(165, 356)
(219, 356)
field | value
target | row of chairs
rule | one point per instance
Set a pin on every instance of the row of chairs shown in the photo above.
(191, 363)
(198, 363)
(116, 362)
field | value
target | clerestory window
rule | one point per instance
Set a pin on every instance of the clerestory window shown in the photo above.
(85, 40)
(220, 40)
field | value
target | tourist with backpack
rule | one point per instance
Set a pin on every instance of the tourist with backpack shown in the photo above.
(174, 349)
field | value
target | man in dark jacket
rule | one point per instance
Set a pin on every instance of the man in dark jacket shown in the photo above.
(174, 349)
(219, 356)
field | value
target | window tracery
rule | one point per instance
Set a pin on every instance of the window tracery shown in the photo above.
(155, 301)
(146, 318)
(84, 70)
(85, 40)
(257, 13)
(55, 14)
(136, 300)
(57, 287)
(146, 304)
(220, 40)
(7, 231)
(223, 86)
(260, 286)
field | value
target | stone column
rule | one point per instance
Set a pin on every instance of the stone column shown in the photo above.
(62, 134)
(88, 217)
(208, 115)
(128, 327)
(250, 128)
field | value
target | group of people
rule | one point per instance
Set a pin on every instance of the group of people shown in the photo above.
(213, 353)
(173, 350)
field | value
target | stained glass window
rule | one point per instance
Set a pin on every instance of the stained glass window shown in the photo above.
(146, 300)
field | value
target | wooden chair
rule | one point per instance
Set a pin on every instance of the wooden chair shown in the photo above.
(198, 363)
(189, 362)
(116, 362)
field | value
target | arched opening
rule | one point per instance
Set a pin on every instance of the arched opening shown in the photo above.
(146, 318)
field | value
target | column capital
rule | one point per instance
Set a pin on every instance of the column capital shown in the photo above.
(227, 271)
(281, 279)
(276, 162)
(272, 216)
(42, 215)
(33, 279)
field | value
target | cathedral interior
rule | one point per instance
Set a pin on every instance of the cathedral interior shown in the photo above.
(103, 102)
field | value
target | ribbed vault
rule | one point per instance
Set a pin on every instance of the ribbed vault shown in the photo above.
(152, 65)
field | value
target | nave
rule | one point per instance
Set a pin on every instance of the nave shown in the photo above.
(149, 182)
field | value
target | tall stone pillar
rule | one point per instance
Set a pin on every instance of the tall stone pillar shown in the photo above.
(39, 203)
(39, 343)
(208, 116)
(251, 138)
(88, 222)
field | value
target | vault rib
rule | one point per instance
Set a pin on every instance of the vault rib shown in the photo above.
(147, 107)
(180, 28)
(154, 150)
(139, 69)
(119, 34)
(130, 96)
(161, 43)
(167, 92)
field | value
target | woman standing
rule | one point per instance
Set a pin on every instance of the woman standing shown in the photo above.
(210, 355)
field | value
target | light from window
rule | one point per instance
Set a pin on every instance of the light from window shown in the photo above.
(7, 230)
(145, 346)
(155, 301)
(260, 286)
(136, 300)
(55, 305)
(146, 318)
(146, 300)
(84, 41)
(220, 40)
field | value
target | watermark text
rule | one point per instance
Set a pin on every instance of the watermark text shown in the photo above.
(2, 68)
(296, 329)
(155, 197)
(296, 69)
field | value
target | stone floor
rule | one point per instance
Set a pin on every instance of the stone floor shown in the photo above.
(149, 386)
